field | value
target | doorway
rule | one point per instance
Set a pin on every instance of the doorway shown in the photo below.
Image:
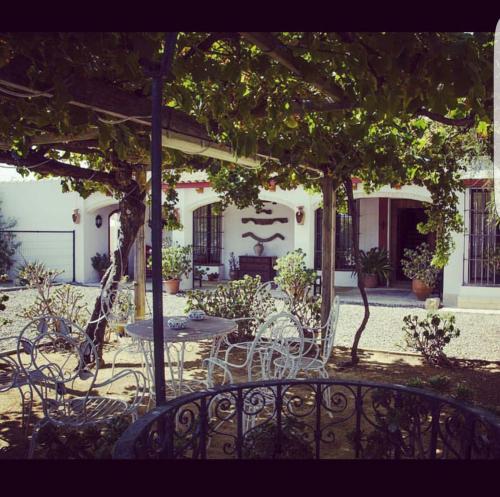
(408, 236)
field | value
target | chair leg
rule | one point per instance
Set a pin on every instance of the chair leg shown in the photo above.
(34, 437)
(26, 407)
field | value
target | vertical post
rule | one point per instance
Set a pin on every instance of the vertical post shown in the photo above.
(74, 258)
(156, 220)
(156, 232)
(327, 248)
(140, 275)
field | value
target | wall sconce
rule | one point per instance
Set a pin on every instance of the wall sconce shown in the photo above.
(76, 216)
(199, 190)
(300, 215)
(98, 221)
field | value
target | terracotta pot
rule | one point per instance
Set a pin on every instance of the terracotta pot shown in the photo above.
(370, 280)
(420, 289)
(233, 275)
(171, 286)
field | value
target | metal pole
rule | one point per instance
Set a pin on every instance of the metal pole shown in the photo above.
(156, 220)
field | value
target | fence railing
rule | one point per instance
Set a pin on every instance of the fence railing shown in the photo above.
(312, 419)
(56, 249)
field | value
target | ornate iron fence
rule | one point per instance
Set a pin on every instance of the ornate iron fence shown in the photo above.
(312, 419)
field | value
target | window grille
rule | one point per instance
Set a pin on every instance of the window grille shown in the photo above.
(207, 235)
(344, 251)
(482, 241)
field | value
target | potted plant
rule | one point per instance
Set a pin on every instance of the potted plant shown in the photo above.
(417, 265)
(212, 276)
(375, 266)
(100, 263)
(175, 263)
(233, 267)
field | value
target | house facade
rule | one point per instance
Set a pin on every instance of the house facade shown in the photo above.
(289, 220)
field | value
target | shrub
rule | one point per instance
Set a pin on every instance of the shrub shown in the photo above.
(417, 265)
(65, 301)
(236, 299)
(87, 443)
(429, 336)
(100, 263)
(260, 442)
(3, 321)
(8, 245)
(293, 276)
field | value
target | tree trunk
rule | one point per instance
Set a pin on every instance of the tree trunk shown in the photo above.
(357, 261)
(327, 248)
(132, 214)
(140, 275)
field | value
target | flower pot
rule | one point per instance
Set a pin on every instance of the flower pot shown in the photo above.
(420, 289)
(370, 280)
(171, 286)
(233, 274)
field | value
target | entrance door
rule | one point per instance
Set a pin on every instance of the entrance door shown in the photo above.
(408, 235)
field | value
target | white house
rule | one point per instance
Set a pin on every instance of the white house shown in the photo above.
(388, 218)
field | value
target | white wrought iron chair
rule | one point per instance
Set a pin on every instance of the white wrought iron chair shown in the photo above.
(262, 309)
(281, 336)
(318, 348)
(54, 355)
(12, 377)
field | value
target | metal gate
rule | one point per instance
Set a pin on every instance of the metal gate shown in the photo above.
(55, 249)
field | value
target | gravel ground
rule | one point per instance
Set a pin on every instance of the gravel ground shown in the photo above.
(479, 338)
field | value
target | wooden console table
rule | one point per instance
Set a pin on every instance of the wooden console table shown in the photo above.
(253, 265)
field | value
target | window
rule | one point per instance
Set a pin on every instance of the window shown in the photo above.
(482, 241)
(344, 255)
(207, 235)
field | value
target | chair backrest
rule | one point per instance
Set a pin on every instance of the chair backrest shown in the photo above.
(266, 303)
(53, 353)
(331, 328)
(281, 336)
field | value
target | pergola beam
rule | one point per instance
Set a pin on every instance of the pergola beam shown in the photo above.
(270, 45)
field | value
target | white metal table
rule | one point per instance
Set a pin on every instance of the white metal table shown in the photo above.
(175, 343)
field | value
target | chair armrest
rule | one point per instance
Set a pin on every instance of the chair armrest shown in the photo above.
(140, 383)
(211, 363)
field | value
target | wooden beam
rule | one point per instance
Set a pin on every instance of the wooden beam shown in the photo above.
(104, 98)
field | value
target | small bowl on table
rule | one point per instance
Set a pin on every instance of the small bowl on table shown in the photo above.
(177, 323)
(196, 315)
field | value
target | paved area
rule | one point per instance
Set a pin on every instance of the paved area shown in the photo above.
(479, 339)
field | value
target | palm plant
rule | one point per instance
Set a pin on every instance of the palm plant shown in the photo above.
(375, 261)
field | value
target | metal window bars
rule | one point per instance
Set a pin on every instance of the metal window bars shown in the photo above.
(481, 256)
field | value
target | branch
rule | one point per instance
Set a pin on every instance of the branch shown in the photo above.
(207, 43)
(45, 166)
(306, 71)
(464, 121)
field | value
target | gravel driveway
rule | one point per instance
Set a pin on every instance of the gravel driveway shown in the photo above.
(479, 338)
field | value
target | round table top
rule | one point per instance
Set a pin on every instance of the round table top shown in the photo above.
(208, 328)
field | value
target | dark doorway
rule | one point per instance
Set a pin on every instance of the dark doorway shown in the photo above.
(407, 234)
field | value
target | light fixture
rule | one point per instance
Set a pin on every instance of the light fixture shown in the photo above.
(98, 221)
(300, 214)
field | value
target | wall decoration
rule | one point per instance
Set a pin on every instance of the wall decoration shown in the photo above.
(98, 221)
(263, 211)
(199, 190)
(258, 249)
(76, 216)
(259, 239)
(282, 220)
(300, 214)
